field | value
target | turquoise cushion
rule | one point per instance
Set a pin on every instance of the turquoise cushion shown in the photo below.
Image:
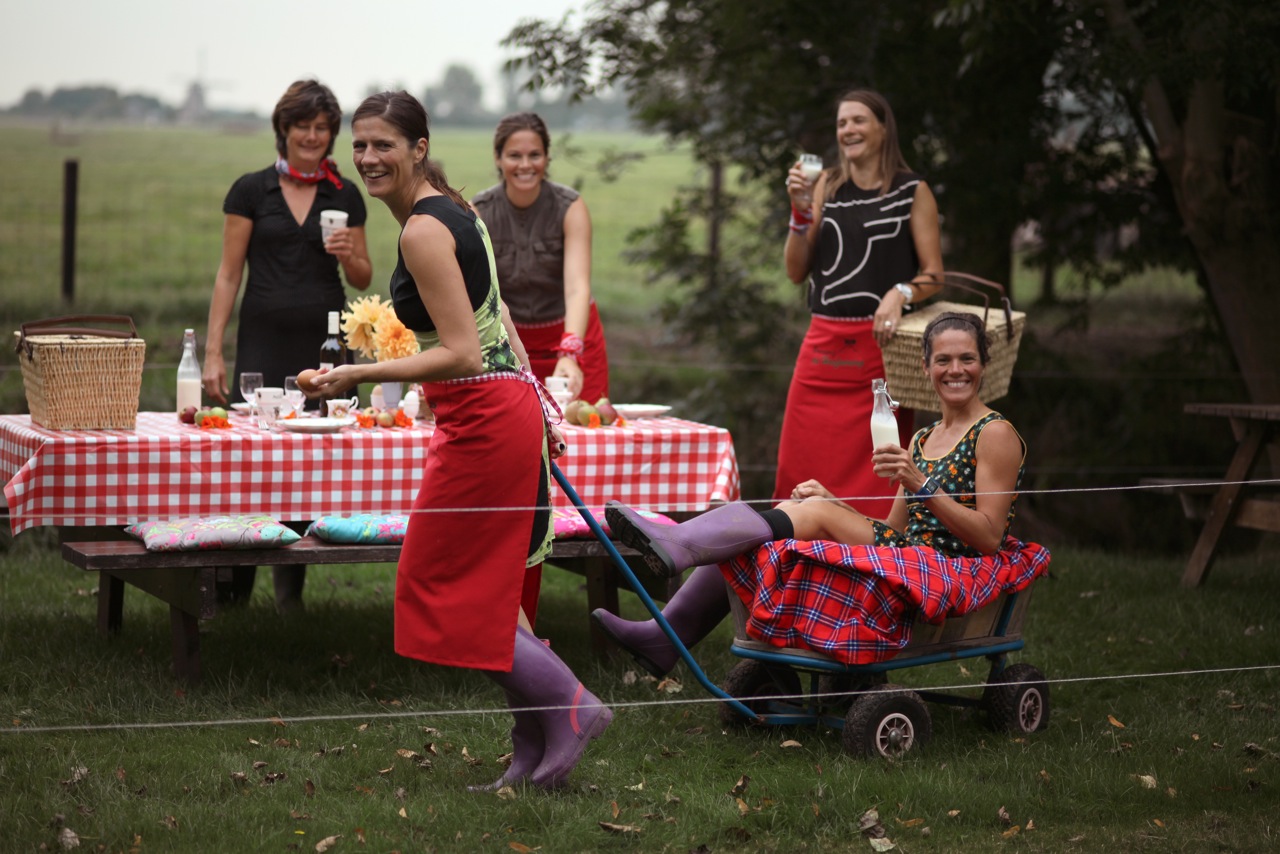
(365, 528)
(212, 532)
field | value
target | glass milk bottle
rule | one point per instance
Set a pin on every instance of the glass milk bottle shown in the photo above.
(884, 424)
(189, 385)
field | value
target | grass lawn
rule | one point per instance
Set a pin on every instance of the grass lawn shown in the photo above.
(1161, 737)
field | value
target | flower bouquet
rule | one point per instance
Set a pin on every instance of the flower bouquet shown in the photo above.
(374, 331)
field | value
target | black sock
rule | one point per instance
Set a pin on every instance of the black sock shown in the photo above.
(779, 523)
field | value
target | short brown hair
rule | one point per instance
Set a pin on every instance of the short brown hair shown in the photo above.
(961, 321)
(305, 99)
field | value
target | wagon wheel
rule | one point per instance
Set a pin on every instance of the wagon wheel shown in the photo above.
(886, 721)
(847, 684)
(752, 684)
(1017, 700)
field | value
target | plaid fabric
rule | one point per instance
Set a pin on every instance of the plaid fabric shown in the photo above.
(857, 604)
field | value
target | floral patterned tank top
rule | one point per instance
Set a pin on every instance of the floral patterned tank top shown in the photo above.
(955, 471)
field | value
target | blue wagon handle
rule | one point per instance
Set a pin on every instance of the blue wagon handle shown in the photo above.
(653, 609)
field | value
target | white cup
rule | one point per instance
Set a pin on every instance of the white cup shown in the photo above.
(329, 220)
(270, 404)
(555, 384)
(341, 407)
(562, 398)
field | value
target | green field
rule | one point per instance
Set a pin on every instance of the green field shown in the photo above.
(150, 224)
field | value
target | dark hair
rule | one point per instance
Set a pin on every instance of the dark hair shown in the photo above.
(515, 122)
(305, 99)
(960, 321)
(407, 115)
(891, 160)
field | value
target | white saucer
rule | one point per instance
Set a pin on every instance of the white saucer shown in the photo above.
(315, 425)
(640, 410)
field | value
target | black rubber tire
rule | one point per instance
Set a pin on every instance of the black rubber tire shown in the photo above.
(751, 684)
(1017, 700)
(886, 721)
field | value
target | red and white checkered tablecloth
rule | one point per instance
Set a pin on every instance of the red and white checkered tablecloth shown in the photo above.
(164, 469)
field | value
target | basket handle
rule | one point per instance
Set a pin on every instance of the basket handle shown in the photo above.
(970, 283)
(62, 326)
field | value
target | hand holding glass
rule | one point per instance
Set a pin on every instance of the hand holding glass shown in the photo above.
(811, 168)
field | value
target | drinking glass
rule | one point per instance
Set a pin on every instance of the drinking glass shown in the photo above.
(250, 382)
(293, 394)
(811, 167)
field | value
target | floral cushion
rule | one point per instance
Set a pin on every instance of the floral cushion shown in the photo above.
(365, 528)
(569, 523)
(212, 532)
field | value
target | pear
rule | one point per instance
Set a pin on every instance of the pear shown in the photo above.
(608, 414)
(571, 411)
(584, 413)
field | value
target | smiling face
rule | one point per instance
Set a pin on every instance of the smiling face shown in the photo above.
(955, 366)
(523, 161)
(859, 133)
(386, 161)
(307, 142)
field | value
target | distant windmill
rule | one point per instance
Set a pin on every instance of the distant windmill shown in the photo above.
(194, 110)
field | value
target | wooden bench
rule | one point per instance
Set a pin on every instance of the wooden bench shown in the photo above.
(1260, 513)
(186, 581)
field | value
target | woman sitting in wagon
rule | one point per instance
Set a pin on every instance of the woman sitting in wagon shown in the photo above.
(833, 580)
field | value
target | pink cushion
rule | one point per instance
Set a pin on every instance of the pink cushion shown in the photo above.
(212, 532)
(569, 523)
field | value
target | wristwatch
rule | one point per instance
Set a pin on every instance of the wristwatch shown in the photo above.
(925, 492)
(906, 291)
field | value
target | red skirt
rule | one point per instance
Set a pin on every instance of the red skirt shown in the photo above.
(826, 428)
(463, 564)
(541, 340)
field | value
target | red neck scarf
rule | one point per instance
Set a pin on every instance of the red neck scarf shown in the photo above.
(328, 169)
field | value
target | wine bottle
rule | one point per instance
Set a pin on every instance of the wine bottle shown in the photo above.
(332, 352)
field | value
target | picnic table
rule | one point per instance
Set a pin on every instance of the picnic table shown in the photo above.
(90, 483)
(1233, 500)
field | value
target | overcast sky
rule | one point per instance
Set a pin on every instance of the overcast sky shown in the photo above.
(248, 51)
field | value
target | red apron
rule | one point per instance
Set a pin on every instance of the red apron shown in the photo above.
(826, 429)
(462, 570)
(541, 340)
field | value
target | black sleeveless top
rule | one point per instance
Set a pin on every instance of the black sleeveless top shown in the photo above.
(472, 255)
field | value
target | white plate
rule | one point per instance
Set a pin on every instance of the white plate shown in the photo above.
(641, 410)
(315, 425)
(242, 406)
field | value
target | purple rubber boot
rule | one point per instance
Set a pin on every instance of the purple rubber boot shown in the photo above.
(538, 678)
(526, 749)
(717, 535)
(695, 609)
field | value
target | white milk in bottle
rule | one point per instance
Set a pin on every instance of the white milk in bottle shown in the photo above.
(884, 424)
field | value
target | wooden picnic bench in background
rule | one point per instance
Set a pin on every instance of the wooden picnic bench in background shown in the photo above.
(187, 581)
(1230, 500)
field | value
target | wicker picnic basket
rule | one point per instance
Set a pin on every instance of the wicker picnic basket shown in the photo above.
(906, 379)
(79, 377)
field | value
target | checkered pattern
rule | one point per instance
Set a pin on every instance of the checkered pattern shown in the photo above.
(165, 469)
(857, 604)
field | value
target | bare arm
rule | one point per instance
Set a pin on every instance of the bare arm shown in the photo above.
(577, 285)
(798, 252)
(236, 231)
(926, 236)
(999, 456)
(352, 251)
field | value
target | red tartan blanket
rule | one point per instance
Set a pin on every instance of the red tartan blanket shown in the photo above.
(856, 604)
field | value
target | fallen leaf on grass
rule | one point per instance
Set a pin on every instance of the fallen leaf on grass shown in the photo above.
(1011, 832)
(1111, 719)
(401, 793)
(1171, 792)
(402, 813)
(507, 793)
(694, 730)
(620, 828)
(1031, 825)
(1157, 822)
(385, 771)
(672, 799)
(469, 759)
(740, 787)
(170, 822)
(522, 848)
(953, 813)
(869, 823)
(327, 843)
(68, 839)
(239, 777)
(614, 811)
(743, 807)
(638, 787)
(298, 815)
(629, 678)
(1003, 815)
(120, 775)
(817, 811)
(881, 843)
(1147, 781)
(278, 722)
(308, 789)
(790, 742)
(670, 685)
(78, 775)
(911, 822)
(259, 765)
(1076, 840)
(1044, 775)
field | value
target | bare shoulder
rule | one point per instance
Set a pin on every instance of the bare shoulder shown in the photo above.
(999, 439)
